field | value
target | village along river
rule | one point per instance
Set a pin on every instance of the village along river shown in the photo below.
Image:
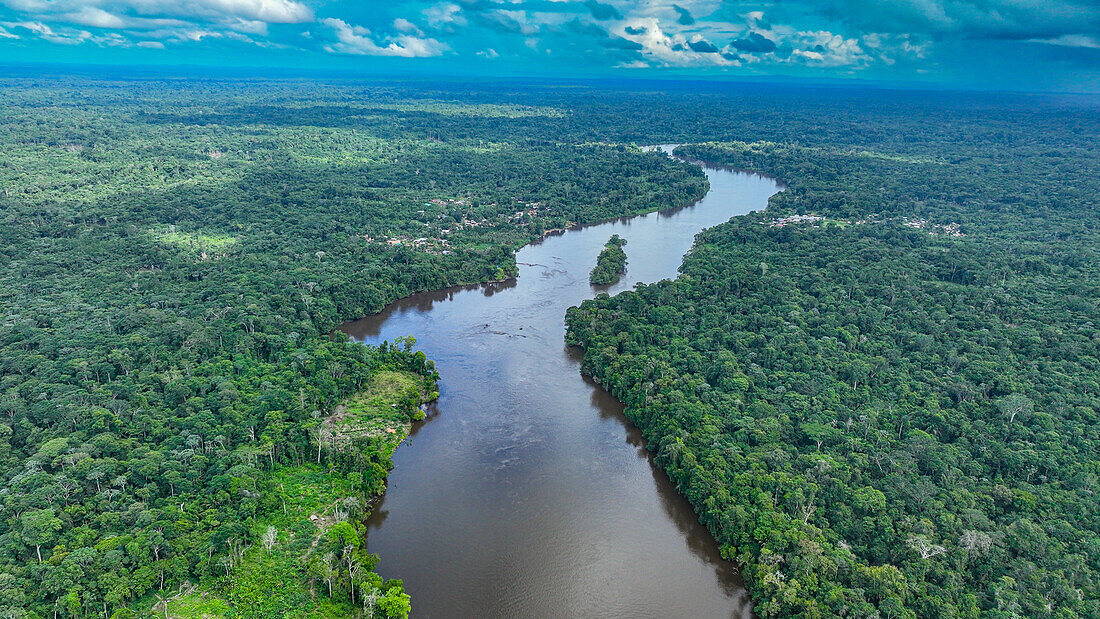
(527, 493)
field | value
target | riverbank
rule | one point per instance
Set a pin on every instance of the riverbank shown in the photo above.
(290, 570)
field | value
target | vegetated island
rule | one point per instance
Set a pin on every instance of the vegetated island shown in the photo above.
(610, 264)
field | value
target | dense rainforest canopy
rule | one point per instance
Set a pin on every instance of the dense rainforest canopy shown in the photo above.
(881, 393)
(172, 270)
(879, 414)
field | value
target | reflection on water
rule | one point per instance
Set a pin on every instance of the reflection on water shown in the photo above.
(527, 493)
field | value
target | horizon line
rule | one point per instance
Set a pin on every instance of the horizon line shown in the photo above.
(146, 71)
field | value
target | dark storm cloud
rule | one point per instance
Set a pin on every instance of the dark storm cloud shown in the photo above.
(702, 46)
(587, 29)
(603, 11)
(685, 18)
(604, 38)
(967, 19)
(497, 21)
(621, 43)
(635, 30)
(503, 21)
(755, 43)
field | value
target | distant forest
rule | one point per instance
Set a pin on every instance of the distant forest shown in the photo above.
(890, 409)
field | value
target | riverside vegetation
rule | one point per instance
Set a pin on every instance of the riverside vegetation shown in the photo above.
(871, 413)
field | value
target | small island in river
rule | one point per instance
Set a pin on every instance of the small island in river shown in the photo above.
(610, 264)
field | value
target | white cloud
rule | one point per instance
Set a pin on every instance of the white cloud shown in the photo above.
(403, 25)
(189, 35)
(270, 11)
(668, 42)
(151, 44)
(356, 40)
(109, 13)
(719, 34)
(1072, 40)
(111, 39)
(94, 17)
(890, 47)
(251, 26)
(176, 21)
(825, 49)
(26, 5)
(809, 55)
(669, 49)
(63, 36)
(444, 14)
(755, 19)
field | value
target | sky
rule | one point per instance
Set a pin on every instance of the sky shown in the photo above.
(989, 44)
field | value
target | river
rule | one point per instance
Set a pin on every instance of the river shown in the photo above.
(527, 493)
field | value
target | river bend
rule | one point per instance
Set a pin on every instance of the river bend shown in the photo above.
(527, 493)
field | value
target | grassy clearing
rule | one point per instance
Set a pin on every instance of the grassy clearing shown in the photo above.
(197, 243)
(899, 158)
(195, 606)
(383, 411)
(271, 578)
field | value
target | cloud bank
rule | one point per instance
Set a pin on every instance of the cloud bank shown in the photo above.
(881, 38)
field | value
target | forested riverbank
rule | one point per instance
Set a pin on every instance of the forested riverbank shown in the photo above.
(305, 554)
(880, 394)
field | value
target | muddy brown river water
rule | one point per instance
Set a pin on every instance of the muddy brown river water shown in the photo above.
(527, 493)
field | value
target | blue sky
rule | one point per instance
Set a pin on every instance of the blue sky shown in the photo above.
(1003, 44)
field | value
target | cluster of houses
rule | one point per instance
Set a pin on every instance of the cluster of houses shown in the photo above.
(952, 229)
(440, 245)
(794, 219)
(432, 245)
(442, 202)
(532, 210)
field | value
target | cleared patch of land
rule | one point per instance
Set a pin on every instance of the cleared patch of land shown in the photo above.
(289, 571)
